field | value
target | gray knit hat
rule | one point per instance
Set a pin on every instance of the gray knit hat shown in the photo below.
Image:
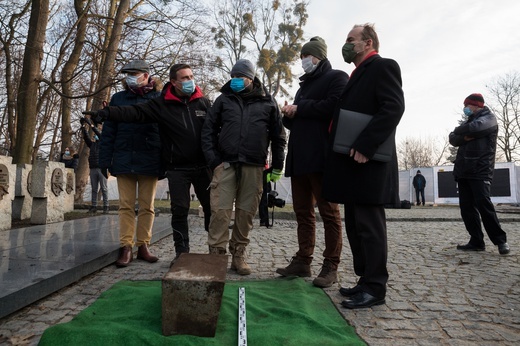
(315, 47)
(243, 68)
(136, 66)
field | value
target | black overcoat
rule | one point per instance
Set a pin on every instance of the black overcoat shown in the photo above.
(375, 88)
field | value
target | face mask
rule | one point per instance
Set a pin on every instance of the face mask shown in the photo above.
(237, 84)
(96, 137)
(188, 87)
(307, 64)
(131, 81)
(467, 111)
(348, 52)
(67, 152)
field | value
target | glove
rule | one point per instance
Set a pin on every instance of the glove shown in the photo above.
(82, 121)
(98, 116)
(274, 176)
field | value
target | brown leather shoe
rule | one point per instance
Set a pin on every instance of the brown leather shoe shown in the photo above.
(125, 256)
(144, 254)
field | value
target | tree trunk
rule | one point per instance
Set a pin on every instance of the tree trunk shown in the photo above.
(29, 82)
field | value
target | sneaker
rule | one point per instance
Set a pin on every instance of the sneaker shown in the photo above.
(327, 277)
(503, 249)
(297, 267)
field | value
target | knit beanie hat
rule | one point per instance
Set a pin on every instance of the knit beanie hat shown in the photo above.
(243, 68)
(315, 47)
(475, 100)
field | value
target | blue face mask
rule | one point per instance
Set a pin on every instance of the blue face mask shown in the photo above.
(96, 137)
(467, 111)
(237, 84)
(188, 87)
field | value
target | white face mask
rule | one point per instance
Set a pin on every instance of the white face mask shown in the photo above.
(132, 81)
(307, 64)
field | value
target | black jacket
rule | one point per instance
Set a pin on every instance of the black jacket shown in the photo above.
(309, 129)
(240, 127)
(131, 148)
(93, 156)
(375, 88)
(180, 123)
(476, 158)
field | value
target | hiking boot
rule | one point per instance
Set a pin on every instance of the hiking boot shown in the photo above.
(125, 256)
(92, 210)
(144, 254)
(297, 267)
(328, 276)
(105, 209)
(238, 261)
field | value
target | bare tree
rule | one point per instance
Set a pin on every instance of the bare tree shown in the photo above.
(504, 102)
(420, 152)
(27, 97)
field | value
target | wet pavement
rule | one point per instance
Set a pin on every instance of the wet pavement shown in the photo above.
(436, 294)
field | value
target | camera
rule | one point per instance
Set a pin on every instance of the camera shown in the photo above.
(273, 201)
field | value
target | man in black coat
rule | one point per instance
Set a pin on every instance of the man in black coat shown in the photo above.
(308, 120)
(419, 183)
(473, 171)
(365, 185)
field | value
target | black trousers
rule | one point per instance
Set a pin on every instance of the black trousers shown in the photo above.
(417, 193)
(366, 232)
(179, 183)
(475, 204)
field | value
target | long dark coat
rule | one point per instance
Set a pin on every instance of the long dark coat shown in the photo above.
(374, 88)
(309, 137)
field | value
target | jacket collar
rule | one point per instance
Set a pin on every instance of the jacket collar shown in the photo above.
(360, 70)
(170, 96)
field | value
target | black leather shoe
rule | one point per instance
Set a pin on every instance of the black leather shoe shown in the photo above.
(503, 249)
(471, 247)
(362, 300)
(349, 292)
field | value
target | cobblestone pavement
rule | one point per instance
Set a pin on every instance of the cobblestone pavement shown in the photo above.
(436, 294)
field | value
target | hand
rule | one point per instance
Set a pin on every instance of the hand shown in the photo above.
(358, 157)
(98, 116)
(274, 176)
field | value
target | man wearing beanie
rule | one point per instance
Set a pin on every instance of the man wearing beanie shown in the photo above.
(240, 126)
(308, 120)
(476, 140)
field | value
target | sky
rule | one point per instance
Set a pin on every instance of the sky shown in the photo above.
(447, 49)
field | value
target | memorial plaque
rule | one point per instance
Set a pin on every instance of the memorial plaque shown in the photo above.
(29, 182)
(70, 183)
(57, 181)
(4, 181)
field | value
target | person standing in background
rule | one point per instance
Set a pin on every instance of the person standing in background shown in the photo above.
(419, 183)
(476, 140)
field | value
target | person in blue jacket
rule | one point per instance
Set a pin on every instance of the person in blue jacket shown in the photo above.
(132, 153)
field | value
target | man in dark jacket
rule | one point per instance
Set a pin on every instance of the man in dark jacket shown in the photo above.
(363, 184)
(180, 111)
(473, 171)
(241, 124)
(97, 179)
(131, 152)
(308, 120)
(419, 183)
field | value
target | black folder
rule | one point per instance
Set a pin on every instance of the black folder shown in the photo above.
(350, 125)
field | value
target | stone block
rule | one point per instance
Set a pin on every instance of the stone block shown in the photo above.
(48, 191)
(22, 203)
(192, 294)
(7, 187)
